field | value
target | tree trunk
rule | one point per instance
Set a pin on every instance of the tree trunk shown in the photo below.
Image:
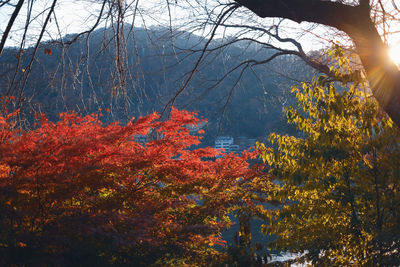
(382, 74)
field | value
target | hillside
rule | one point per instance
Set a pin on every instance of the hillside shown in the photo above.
(84, 77)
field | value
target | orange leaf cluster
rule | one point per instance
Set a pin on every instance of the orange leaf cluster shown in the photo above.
(79, 192)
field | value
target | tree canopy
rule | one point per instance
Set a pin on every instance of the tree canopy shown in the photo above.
(78, 192)
(337, 180)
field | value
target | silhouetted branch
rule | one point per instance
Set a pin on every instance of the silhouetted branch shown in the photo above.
(10, 24)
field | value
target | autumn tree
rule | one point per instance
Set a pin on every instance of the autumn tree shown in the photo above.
(79, 192)
(338, 178)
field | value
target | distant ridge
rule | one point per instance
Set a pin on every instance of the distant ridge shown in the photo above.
(83, 78)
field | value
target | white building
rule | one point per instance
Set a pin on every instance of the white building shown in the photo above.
(224, 142)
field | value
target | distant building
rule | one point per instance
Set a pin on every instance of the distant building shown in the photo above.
(224, 142)
(234, 148)
(251, 142)
(229, 144)
(245, 143)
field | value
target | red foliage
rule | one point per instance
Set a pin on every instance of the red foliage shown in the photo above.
(78, 190)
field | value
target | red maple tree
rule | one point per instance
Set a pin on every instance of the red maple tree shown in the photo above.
(79, 192)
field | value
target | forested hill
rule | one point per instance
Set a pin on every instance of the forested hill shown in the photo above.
(84, 76)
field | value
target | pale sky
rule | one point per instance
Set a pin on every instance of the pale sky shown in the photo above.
(72, 16)
(75, 16)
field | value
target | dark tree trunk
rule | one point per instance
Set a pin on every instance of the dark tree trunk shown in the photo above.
(383, 75)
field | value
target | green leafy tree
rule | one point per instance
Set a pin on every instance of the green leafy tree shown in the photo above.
(338, 179)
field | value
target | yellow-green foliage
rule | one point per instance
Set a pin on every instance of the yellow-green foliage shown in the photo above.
(338, 180)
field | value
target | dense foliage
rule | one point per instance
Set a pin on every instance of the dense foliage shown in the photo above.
(78, 192)
(338, 179)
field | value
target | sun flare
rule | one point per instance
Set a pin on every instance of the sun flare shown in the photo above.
(394, 54)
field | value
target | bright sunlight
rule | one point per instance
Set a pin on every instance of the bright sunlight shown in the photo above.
(394, 54)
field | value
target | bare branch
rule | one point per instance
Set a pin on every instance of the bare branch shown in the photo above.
(226, 13)
(10, 24)
(28, 68)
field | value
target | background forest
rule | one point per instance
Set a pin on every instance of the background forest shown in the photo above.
(77, 79)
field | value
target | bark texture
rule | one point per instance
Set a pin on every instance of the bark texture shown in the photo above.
(383, 75)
